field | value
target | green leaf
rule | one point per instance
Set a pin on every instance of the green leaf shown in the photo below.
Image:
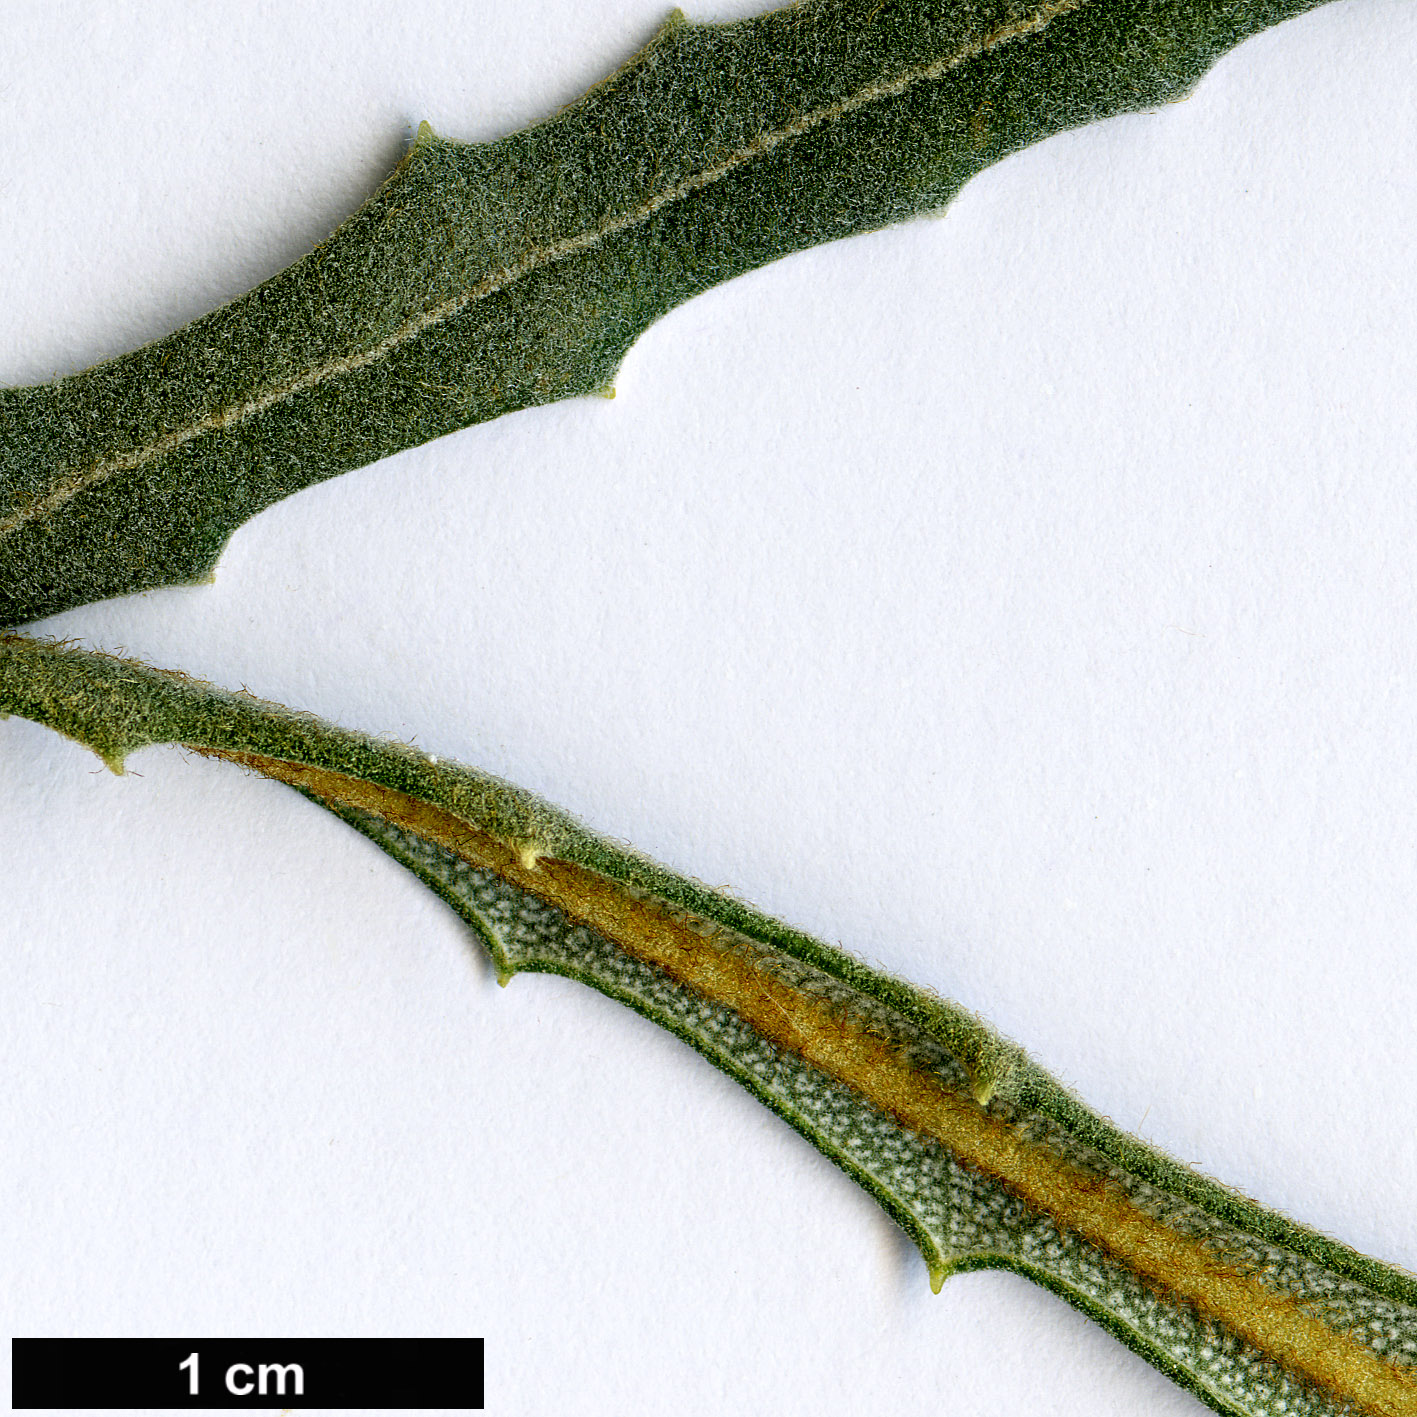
(491, 277)
(980, 1156)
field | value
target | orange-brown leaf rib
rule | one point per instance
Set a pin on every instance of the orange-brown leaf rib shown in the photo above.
(1097, 1209)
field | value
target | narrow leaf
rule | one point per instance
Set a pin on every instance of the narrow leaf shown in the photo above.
(483, 278)
(981, 1157)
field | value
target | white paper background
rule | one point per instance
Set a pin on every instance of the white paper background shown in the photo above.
(1023, 599)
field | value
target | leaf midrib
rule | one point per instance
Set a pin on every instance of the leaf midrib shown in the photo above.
(97, 473)
(688, 948)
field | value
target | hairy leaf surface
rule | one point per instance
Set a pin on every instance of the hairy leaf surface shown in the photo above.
(981, 1156)
(484, 278)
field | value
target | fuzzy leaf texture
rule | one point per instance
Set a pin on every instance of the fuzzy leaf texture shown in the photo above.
(485, 278)
(980, 1156)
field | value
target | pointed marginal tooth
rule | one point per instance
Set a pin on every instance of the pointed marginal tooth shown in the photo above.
(982, 1085)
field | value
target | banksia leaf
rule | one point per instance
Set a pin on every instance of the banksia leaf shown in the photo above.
(981, 1157)
(483, 278)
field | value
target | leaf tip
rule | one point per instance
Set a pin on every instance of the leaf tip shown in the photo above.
(938, 1274)
(424, 135)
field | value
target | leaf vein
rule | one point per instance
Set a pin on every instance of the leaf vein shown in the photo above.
(764, 143)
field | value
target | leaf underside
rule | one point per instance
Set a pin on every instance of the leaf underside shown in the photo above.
(446, 823)
(483, 278)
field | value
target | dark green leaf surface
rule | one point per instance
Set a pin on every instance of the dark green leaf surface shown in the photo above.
(486, 278)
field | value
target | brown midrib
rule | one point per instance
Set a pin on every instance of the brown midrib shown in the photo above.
(1091, 1206)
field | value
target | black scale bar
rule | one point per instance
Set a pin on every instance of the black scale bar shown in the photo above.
(157, 1374)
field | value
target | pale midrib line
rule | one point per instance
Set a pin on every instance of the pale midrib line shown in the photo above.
(547, 255)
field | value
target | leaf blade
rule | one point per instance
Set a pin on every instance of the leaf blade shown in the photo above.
(487, 278)
(1346, 1325)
